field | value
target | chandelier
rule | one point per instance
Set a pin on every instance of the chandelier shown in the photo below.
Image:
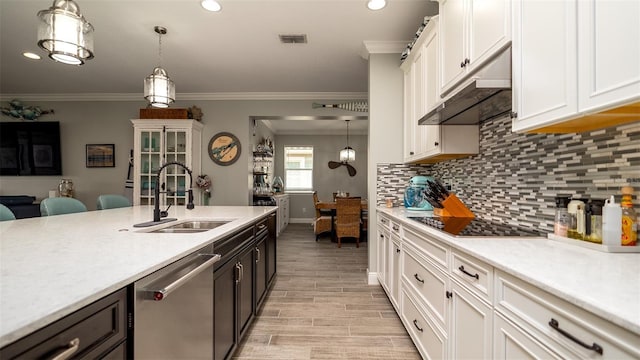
(159, 90)
(347, 154)
(65, 34)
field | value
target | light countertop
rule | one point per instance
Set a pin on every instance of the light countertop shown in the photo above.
(606, 284)
(53, 266)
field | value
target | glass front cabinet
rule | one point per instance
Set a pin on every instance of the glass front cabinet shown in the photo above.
(157, 142)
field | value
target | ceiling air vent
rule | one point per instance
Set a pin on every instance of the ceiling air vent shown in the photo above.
(293, 39)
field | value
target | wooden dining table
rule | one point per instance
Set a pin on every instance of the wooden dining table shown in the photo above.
(331, 205)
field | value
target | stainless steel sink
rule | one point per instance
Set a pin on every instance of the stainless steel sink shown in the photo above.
(195, 226)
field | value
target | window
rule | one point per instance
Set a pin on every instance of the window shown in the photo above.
(298, 167)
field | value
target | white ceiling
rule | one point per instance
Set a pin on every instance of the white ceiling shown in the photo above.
(208, 54)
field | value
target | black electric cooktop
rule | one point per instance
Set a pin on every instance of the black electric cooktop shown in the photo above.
(475, 227)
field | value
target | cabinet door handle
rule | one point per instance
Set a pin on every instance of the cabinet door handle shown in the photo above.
(466, 61)
(436, 143)
(462, 64)
(514, 115)
(415, 323)
(397, 251)
(449, 294)
(461, 268)
(381, 236)
(418, 278)
(396, 227)
(257, 255)
(237, 273)
(261, 226)
(556, 326)
(241, 271)
(72, 347)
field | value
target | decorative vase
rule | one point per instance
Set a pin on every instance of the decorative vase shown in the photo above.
(65, 188)
(278, 184)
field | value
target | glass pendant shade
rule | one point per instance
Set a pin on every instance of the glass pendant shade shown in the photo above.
(159, 90)
(347, 154)
(376, 4)
(65, 34)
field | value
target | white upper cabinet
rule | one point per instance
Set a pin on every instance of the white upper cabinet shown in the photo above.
(580, 70)
(608, 53)
(430, 143)
(544, 60)
(472, 32)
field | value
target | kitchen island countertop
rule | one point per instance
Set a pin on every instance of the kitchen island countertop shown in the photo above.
(606, 284)
(53, 266)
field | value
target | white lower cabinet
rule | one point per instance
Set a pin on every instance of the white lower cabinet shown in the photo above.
(470, 326)
(510, 342)
(282, 201)
(382, 247)
(456, 306)
(428, 338)
(567, 330)
(395, 270)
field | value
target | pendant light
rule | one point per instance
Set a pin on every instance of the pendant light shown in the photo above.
(376, 4)
(65, 34)
(347, 154)
(159, 90)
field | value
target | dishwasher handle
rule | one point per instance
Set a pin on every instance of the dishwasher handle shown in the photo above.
(164, 291)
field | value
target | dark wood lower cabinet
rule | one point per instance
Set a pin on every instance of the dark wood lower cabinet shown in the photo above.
(224, 303)
(246, 289)
(96, 331)
(241, 281)
(261, 269)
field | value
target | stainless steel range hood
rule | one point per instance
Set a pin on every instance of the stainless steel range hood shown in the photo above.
(486, 97)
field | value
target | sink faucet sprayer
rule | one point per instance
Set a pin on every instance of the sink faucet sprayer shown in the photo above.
(157, 214)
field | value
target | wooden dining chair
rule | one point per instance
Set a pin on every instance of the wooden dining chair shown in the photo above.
(348, 221)
(323, 212)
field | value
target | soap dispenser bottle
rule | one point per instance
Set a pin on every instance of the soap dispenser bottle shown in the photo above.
(611, 223)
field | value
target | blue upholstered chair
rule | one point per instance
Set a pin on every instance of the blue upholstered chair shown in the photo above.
(61, 205)
(111, 201)
(6, 213)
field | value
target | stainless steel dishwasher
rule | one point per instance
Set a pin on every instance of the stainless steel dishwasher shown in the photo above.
(173, 310)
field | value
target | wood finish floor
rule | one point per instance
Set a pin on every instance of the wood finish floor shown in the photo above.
(321, 307)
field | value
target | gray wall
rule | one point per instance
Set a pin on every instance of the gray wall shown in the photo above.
(325, 181)
(88, 122)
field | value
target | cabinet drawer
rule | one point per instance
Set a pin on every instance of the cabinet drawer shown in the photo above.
(384, 221)
(509, 342)
(428, 339)
(547, 317)
(433, 249)
(395, 228)
(97, 329)
(428, 281)
(474, 274)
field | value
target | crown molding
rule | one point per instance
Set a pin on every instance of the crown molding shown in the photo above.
(382, 47)
(191, 96)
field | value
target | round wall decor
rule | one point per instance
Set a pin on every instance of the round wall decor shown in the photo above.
(224, 148)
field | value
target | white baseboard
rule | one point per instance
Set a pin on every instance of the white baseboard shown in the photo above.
(300, 221)
(372, 278)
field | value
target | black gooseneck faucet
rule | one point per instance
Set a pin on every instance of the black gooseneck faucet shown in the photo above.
(156, 201)
(157, 214)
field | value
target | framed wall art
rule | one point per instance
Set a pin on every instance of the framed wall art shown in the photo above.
(100, 155)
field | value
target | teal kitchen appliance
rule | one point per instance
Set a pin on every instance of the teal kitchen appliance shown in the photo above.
(414, 198)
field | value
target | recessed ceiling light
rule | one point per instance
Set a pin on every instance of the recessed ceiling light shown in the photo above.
(31, 55)
(376, 4)
(211, 5)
